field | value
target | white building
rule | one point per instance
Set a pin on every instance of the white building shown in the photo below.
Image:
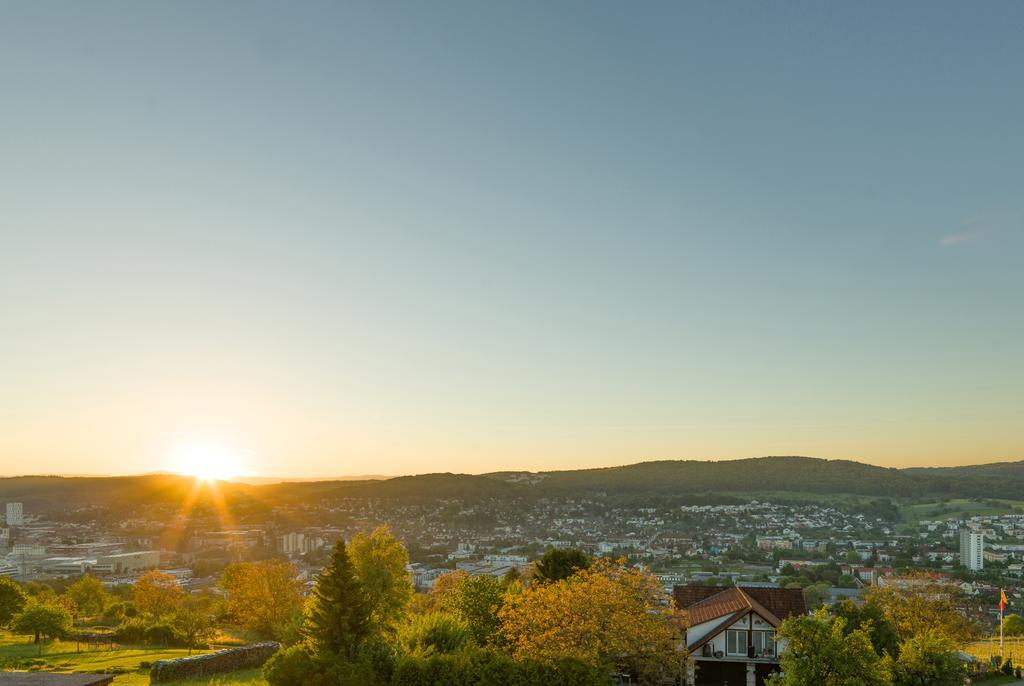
(732, 633)
(15, 514)
(298, 543)
(972, 546)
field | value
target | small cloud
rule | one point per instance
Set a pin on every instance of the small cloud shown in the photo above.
(968, 235)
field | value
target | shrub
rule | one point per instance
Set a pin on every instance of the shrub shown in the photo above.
(373, 666)
(294, 665)
(131, 631)
(161, 634)
(114, 613)
(479, 667)
(437, 632)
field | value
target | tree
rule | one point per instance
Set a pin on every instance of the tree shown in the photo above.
(195, 626)
(557, 564)
(604, 615)
(157, 593)
(846, 581)
(1013, 625)
(41, 619)
(476, 600)
(447, 582)
(816, 595)
(262, 596)
(821, 652)
(12, 600)
(89, 595)
(379, 561)
(920, 602)
(338, 613)
(871, 618)
(928, 659)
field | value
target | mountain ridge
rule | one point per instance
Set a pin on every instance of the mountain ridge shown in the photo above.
(796, 474)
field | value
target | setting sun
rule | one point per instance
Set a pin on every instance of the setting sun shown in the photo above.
(208, 461)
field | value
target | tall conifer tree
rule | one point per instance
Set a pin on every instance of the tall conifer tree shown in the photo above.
(338, 617)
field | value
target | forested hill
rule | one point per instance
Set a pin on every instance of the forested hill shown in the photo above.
(789, 473)
(995, 470)
(682, 477)
(803, 474)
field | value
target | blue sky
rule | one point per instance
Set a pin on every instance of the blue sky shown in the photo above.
(403, 237)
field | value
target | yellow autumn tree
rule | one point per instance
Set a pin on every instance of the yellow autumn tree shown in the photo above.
(922, 602)
(264, 597)
(607, 614)
(157, 593)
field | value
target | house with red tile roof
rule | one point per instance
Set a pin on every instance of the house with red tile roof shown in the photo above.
(731, 631)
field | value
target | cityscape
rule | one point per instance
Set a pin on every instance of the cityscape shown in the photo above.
(451, 343)
(782, 553)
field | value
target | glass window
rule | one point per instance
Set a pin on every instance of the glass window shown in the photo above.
(736, 642)
(764, 643)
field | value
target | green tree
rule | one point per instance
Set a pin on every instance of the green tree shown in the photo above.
(1013, 625)
(378, 562)
(846, 581)
(89, 595)
(12, 600)
(556, 564)
(195, 625)
(42, 619)
(928, 659)
(872, 619)
(476, 601)
(816, 595)
(338, 613)
(821, 653)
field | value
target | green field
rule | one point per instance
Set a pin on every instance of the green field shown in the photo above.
(63, 656)
(954, 507)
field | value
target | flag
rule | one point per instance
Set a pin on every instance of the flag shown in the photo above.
(1003, 602)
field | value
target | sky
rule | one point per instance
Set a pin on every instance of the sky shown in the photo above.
(386, 238)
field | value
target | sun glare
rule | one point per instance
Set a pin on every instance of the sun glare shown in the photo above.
(207, 461)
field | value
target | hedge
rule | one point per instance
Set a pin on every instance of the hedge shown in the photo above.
(490, 668)
(212, 663)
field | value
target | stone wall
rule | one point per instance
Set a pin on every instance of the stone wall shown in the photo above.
(212, 663)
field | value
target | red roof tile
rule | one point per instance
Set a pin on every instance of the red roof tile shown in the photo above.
(706, 603)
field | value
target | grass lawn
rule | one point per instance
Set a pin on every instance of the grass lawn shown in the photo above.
(61, 656)
(952, 509)
(987, 647)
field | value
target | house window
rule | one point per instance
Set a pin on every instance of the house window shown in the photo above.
(735, 642)
(764, 643)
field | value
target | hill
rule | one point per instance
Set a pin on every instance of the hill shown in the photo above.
(799, 474)
(994, 470)
(779, 474)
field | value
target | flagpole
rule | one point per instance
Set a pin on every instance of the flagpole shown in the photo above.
(1001, 655)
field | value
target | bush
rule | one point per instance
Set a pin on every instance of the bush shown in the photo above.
(114, 613)
(163, 635)
(297, 665)
(294, 665)
(491, 668)
(131, 631)
(437, 632)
